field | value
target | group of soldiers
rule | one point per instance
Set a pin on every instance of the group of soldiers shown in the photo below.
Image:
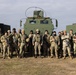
(37, 44)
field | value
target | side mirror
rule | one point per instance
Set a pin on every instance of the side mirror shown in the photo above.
(20, 23)
(56, 23)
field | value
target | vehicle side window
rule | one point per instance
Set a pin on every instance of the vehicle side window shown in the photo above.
(43, 22)
(32, 22)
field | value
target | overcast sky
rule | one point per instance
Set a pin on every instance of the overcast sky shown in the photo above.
(11, 11)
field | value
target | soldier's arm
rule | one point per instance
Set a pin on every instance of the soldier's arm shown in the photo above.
(67, 37)
(2, 39)
(41, 39)
(51, 39)
(74, 38)
(63, 38)
(58, 41)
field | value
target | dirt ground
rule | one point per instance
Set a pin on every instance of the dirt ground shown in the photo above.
(39, 66)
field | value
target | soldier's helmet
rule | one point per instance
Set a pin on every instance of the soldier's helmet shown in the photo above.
(54, 33)
(9, 31)
(31, 31)
(14, 30)
(23, 31)
(37, 31)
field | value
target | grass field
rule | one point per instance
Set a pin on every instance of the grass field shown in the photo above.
(39, 66)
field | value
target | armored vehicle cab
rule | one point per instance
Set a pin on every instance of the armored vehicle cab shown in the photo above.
(38, 21)
(73, 27)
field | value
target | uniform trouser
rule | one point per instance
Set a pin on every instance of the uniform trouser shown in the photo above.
(54, 47)
(6, 49)
(74, 48)
(37, 46)
(46, 50)
(22, 46)
(68, 50)
(16, 48)
(30, 48)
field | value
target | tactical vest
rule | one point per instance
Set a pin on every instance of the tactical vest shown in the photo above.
(37, 38)
(23, 38)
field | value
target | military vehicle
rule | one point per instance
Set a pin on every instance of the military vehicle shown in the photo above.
(39, 21)
(4, 28)
(73, 27)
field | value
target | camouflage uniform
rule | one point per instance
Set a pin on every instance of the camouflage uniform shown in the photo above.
(0, 41)
(23, 44)
(5, 43)
(10, 35)
(16, 40)
(71, 41)
(0, 44)
(37, 40)
(74, 40)
(54, 40)
(66, 45)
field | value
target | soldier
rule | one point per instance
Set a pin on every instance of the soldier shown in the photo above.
(74, 40)
(71, 41)
(30, 45)
(66, 45)
(54, 40)
(19, 40)
(16, 37)
(10, 42)
(5, 43)
(46, 43)
(0, 41)
(37, 42)
(60, 51)
(23, 45)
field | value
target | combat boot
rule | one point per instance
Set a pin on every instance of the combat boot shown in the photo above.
(9, 58)
(71, 57)
(40, 55)
(52, 56)
(35, 56)
(57, 58)
(64, 57)
(4, 57)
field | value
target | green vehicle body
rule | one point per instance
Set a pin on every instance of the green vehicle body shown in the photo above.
(73, 27)
(38, 21)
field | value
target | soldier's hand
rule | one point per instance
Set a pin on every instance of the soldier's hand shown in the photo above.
(58, 44)
(41, 44)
